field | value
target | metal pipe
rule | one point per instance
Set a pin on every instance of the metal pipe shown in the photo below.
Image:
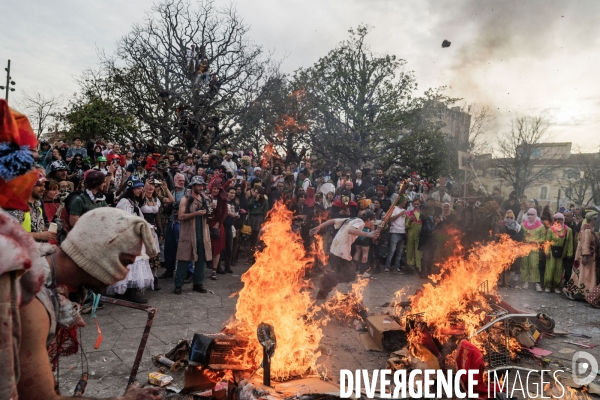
(151, 310)
(266, 367)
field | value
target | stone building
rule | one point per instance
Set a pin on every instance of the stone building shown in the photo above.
(561, 186)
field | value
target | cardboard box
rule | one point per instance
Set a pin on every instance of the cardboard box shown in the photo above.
(379, 327)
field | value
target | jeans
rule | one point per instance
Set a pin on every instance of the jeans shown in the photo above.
(396, 247)
(184, 266)
(171, 241)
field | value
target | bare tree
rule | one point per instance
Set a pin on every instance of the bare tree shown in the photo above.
(40, 109)
(481, 120)
(523, 159)
(187, 73)
(581, 181)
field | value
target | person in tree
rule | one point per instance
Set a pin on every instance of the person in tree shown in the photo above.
(561, 238)
(533, 232)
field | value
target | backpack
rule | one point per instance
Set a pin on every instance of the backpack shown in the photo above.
(69, 204)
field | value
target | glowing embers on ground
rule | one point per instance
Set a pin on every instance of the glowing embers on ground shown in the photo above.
(275, 293)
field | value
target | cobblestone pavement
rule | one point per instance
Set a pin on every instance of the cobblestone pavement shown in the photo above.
(180, 317)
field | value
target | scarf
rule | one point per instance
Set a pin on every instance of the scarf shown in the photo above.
(512, 225)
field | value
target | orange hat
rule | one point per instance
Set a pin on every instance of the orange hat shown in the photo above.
(16, 174)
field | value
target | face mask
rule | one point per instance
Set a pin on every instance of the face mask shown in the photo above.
(345, 199)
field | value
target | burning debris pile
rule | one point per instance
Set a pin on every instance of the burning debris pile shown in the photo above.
(348, 307)
(275, 293)
(457, 300)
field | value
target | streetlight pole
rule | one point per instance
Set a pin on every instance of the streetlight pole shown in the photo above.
(8, 82)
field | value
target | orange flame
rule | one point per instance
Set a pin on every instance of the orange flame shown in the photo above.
(346, 307)
(275, 293)
(456, 299)
(318, 250)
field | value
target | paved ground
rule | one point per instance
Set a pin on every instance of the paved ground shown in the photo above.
(180, 317)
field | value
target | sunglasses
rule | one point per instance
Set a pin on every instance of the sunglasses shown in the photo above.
(531, 215)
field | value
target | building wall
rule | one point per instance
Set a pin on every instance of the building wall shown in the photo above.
(550, 190)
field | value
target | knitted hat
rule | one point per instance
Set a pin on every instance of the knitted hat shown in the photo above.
(101, 235)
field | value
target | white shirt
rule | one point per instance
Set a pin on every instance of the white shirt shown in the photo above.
(230, 166)
(398, 225)
(342, 242)
(436, 196)
(305, 184)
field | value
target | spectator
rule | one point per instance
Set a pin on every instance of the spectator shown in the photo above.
(172, 231)
(150, 208)
(258, 208)
(76, 149)
(58, 171)
(90, 199)
(140, 275)
(229, 164)
(187, 168)
(194, 237)
(216, 224)
(51, 156)
(233, 214)
(33, 220)
(397, 236)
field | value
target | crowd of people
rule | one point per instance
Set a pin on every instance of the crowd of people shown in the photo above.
(124, 218)
(205, 208)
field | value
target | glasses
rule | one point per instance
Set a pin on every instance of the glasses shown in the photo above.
(509, 218)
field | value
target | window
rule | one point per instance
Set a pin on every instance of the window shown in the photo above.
(544, 193)
(571, 174)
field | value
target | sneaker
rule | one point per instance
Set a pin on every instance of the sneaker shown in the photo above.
(398, 270)
(166, 275)
(525, 285)
(547, 290)
(199, 288)
(213, 276)
(178, 290)
(386, 271)
(557, 291)
(538, 287)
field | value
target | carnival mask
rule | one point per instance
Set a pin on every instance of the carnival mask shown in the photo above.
(345, 200)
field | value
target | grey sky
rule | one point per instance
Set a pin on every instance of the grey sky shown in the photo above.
(519, 57)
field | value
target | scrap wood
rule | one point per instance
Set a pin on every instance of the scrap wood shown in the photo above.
(581, 345)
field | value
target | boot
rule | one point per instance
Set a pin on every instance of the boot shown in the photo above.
(156, 287)
(199, 288)
(133, 296)
(220, 271)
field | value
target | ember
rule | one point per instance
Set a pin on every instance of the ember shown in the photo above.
(275, 293)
